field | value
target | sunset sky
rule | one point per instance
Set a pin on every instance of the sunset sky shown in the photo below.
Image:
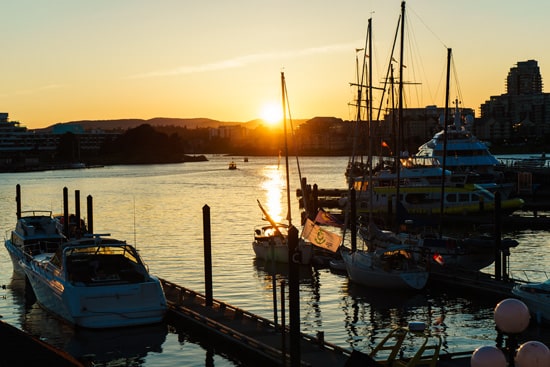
(65, 60)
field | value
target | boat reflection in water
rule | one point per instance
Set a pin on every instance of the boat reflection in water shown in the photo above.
(127, 346)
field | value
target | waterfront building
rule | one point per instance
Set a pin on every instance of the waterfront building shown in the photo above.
(24, 149)
(521, 114)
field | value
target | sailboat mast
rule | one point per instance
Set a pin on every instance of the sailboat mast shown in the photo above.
(400, 117)
(283, 87)
(369, 117)
(445, 119)
(401, 57)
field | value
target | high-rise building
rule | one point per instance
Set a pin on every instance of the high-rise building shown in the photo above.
(520, 115)
(524, 79)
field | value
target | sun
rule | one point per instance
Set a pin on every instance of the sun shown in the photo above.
(272, 113)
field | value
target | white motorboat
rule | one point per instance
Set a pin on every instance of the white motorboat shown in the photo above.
(271, 241)
(36, 231)
(537, 298)
(441, 252)
(271, 244)
(96, 282)
(393, 267)
(426, 200)
(467, 157)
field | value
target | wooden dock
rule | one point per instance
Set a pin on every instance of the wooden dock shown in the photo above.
(257, 338)
(252, 339)
(258, 341)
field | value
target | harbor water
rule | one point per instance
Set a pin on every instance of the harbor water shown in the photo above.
(160, 209)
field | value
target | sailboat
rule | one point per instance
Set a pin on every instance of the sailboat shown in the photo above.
(271, 240)
(388, 267)
(472, 253)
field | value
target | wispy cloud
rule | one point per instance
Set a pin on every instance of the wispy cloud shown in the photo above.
(242, 61)
(40, 89)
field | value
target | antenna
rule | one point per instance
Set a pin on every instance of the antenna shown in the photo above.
(135, 242)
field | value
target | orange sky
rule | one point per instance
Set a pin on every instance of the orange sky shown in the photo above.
(69, 60)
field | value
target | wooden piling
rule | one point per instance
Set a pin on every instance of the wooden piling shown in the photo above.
(294, 296)
(18, 200)
(66, 211)
(207, 255)
(77, 210)
(90, 214)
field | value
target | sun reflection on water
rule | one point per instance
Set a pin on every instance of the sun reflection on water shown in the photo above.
(275, 191)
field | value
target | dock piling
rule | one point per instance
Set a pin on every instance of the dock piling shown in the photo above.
(18, 200)
(90, 208)
(207, 255)
(294, 297)
(77, 210)
(66, 211)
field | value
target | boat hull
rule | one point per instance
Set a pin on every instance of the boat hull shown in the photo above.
(102, 306)
(277, 250)
(426, 200)
(16, 255)
(361, 269)
(537, 298)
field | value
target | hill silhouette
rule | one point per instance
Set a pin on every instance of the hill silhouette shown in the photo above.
(189, 123)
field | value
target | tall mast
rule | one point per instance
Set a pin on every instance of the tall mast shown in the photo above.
(283, 87)
(445, 131)
(400, 118)
(369, 117)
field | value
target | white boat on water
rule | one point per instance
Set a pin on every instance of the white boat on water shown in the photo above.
(537, 298)
(271, 240)
(393, 268)
(441, 252)
(271, 244)
(467, 157)
(426, 200)
(36, 231)
(96, 282)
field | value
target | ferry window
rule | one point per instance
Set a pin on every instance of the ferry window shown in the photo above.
(451, 198)
(463, 197)
(475, 197)
(415, 198)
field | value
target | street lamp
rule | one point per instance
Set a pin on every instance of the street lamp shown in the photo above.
(511, 318)
(488, 356)
(533, 354)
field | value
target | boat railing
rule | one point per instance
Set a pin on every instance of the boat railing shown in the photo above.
(530, 275)
(524, 163)
(36, 213)
(41, 247)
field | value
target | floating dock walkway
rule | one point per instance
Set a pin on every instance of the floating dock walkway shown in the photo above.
(260, 341)
(259, 338)
(256, 340)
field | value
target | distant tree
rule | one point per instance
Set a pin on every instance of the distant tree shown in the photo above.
(67, 150)
(144, 145)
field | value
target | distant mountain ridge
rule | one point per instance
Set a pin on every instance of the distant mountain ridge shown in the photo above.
(190, 123)
(125, 124)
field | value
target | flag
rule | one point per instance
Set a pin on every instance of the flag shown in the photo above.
(328, 219)
(438, 258)
(320, 237)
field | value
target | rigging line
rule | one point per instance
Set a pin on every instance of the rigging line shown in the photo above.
(135, 240)
(294, 140)
(361, 83)
(455, 74)
(283, 87)
(428, 28)
(388, 71)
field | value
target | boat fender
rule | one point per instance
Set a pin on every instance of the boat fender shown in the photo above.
(417, 326)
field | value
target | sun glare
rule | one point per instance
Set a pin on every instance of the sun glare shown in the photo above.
(272, 113)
